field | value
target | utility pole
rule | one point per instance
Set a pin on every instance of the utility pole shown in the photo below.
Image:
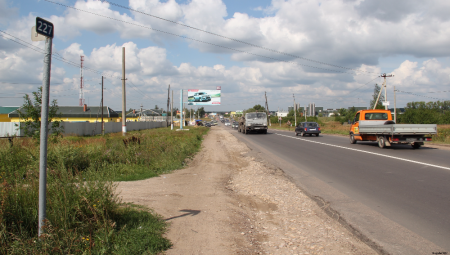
(103, 124)
(385, 92)
(171, 113)
(267, 109)
(124, 111)
(168, 105)
(295, 110)
(395, 107)
(181, 109)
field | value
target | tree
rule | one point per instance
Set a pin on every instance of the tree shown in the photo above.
(256, 108)
(30, 113)
(376, 91)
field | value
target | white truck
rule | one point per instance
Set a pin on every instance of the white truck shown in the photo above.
(253, 122)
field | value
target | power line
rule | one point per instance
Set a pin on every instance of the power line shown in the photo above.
(229, 38)
(200, 41)
(414, 94)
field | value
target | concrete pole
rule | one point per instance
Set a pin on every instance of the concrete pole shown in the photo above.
(385, 95)
(171, 113)
(395, 107)
(295, 111)
(124, 102)
(103, 124)
(181, 109)
(44, 135)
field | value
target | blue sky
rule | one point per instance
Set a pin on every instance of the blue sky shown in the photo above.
(340, 46)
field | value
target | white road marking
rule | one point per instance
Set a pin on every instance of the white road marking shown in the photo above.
(373, 153)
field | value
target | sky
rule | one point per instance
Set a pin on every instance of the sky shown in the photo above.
(330, 53)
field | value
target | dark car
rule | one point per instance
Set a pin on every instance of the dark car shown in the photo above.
(207, 124)
(307, 128)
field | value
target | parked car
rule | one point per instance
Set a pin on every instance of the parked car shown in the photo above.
(201, 96)
(307, 128)
(207, 124)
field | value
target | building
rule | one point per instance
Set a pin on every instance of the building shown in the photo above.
(282, 114)
(78, 114)
(146, 115)
(4, 111)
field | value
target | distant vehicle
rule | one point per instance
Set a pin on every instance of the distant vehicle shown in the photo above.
(307, 128)
(253, 122)
(207, 124)
(377, 126)
(227, 123)
(235, 125)
(201, 96)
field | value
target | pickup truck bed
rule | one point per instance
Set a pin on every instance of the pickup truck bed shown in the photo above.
(369, 127)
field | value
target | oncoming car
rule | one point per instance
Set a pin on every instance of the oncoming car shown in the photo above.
(201, 96)
(307, 128)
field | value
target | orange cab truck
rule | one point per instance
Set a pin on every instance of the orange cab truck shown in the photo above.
(378, 126)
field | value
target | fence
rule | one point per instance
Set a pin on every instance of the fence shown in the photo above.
(84, 128)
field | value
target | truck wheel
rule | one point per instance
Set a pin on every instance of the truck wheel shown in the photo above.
(381, 142)
(265, 131)
(415, 145)
(352, 139)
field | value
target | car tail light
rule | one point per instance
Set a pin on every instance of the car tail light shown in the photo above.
(395, 139)
(306, 129)
(428, 139)
(319, 129)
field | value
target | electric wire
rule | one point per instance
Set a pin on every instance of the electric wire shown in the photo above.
(203, 42)
(229, 38)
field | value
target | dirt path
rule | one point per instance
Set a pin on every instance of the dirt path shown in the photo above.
(226, 202)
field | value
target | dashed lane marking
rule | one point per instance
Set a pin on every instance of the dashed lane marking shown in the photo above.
(368, 152)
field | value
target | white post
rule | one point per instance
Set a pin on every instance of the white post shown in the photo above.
(44, 135)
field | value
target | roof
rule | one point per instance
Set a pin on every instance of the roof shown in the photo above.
(77, 112)
(8, 109)
(151, 112)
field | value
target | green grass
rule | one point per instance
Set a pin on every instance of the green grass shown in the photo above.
(84, 214)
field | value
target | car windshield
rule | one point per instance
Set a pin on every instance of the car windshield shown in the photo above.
(256, 115)
(311, 124)
(376, 116)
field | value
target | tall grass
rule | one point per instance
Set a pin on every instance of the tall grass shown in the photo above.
(83, 213)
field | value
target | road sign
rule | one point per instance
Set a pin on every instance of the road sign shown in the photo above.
(385, 103)
(35, 36)
(44, 27)
(279, 118)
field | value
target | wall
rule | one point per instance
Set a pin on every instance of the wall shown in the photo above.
(86, 128)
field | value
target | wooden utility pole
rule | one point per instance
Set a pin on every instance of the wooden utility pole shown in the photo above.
(168, 105)
(103, 125)
(267, 109)
(295, 110)
(124, 110)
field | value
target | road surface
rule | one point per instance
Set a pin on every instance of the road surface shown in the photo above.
(397, 197)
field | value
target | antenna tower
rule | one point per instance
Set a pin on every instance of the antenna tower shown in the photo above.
(81, 82)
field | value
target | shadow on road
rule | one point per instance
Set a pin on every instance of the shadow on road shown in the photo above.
(187, 213)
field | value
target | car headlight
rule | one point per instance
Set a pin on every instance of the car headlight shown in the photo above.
(248, 125)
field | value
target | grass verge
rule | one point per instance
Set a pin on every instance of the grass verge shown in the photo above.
(84, 215)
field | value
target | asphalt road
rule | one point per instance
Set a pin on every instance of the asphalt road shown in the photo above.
(397, 198)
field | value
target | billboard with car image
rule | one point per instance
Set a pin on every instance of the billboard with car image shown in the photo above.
(203, 97)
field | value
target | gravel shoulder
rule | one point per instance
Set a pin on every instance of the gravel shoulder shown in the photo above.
(227, 202)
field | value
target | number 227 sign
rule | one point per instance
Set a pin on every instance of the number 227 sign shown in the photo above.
(44, 27)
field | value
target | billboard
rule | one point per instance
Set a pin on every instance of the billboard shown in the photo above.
(203, 97)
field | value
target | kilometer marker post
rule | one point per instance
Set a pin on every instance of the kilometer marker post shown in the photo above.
(46, 29)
